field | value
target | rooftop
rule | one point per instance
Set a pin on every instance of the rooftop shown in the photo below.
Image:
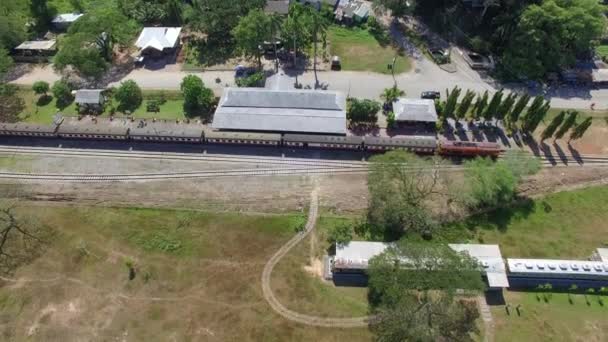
(28, 127)
(552, 266)
(37, 45)
(417, 110)
(66, 18)
(89, 96)
(603, 254)
(300, 111)
(158, 38)
(92, 128)
(277, 6)
(159, 129)
(491, 260)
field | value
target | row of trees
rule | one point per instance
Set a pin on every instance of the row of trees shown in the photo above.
(512, 109)
(564, 122)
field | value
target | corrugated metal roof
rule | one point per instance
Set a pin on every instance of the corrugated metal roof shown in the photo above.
(258, 109)
(243, 136)
(558, 267)
(418, 110)
(490, 258)
(277, 6)
(89, 96)
(27, 127)
(167, 130)
(66, 18)
(96, 129)
(37, 45)
(158, 38)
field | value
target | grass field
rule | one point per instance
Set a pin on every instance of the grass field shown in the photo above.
(599, 116)
(555, 320)
(360, 51)
(602, 50)
(197, 278)
(563, 225)
(43, 113)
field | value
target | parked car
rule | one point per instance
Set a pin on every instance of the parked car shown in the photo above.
(431, 95)
(335, 63)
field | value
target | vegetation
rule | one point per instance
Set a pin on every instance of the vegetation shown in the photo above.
(552, 127)
(580, 129)
(362, 111)
(256, 79)
(62, 93)
(11, 105)
(340, 234)
(40, 88)
(568, 123)
(412, 291)
(129, 96)
(251, 32)
(398, 8)
(392, 94)
(198, 99)
(359, 50)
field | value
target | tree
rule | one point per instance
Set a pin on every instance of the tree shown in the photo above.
(550, 35)
(451, 102)
(465, 104)
(77, 6)
(198, 99)
(62, 93)
(580, 130)
(251, 32)
(552, 127)
(276, 25)
(568, 123)
(340, 234)
(515, 113)
(13, 23)
(480, 106)
(535, 114)
(362, 111)
(398, 8)
(399, 184)
(319, 26)
(42, 15)
(392, 94)
(78, 51)
(505, 107)
(11, 105)
(296, 29)
(129, 96)
(6, 62)
(21, 239)
(145, 11)
(403, 284)
(489, 184)
(492, 108)
(40, 88)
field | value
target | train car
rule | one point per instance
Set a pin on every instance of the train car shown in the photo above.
(22, 129)
(93, 132)
(163, 132)
(417, 144)
(469, 149)
(332, 142)
(242, 138)
(558, 273)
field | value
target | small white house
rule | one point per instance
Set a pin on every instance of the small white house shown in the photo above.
(415, 111)
(64, 20)
(158, 40)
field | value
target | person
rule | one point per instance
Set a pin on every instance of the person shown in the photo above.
(593, 106)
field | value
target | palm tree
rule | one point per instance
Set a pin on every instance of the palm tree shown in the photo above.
(390, 95)
(319, 27)
(276, 24)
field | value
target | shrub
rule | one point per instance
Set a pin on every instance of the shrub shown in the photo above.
(390, 120)
(63, 93)
(254, 80)
(340, 234)
(198, 99)
(359, 111)
(129, 95)
(153, 106)
(40, 88)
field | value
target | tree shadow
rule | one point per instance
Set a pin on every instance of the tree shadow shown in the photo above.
(560, 153)
(532, 144)
(44, 100)
(62, 104)
(494, 298)
(546, 150)
(575, 155)
(500, 218)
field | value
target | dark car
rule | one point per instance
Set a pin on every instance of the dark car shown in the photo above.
(431, 95)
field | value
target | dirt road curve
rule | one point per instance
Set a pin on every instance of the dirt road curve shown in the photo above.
(282, 310)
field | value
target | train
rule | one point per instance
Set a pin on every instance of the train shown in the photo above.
(194, 134)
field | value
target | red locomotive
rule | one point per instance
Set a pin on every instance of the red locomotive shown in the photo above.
(469, 149)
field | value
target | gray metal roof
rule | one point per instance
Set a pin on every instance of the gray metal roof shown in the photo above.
(66, 18)
(310, 138)
(417, 110)
(603, 254)
(243, 136)
(277, 6)
(490, 258)
(167, 130)
(89, 96)
(414, 141)
(258, 109)
(44, 45)
(544, 267)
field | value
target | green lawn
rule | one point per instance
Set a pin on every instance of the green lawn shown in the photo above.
(43, 113)
(555, 320)
(359, 50)
(562, 225)
(602, 50)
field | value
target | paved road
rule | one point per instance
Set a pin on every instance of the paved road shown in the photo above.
(280, 308)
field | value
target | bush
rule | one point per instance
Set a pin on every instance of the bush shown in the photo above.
(40, 88)
(340, 234)
(254, 80)
(198, 99)
(129, 95)
(390, 120)
(362, 111)
(63, 93)
(153, 106)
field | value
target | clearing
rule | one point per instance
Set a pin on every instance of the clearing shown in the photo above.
(197, 278)
(42, 112)
(562, 225)
(359, 50)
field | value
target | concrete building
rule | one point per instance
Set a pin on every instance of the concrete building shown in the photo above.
(415, 111)
(281, 111)
(90, 100)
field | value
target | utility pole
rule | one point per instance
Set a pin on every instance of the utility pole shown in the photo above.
(393, 71)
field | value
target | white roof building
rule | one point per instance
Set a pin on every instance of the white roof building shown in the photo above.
(158, 38)
(285, 111)
(66, 18)
(42, 45)
(415, 110)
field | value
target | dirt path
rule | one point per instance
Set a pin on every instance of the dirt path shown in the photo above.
(274, 260)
